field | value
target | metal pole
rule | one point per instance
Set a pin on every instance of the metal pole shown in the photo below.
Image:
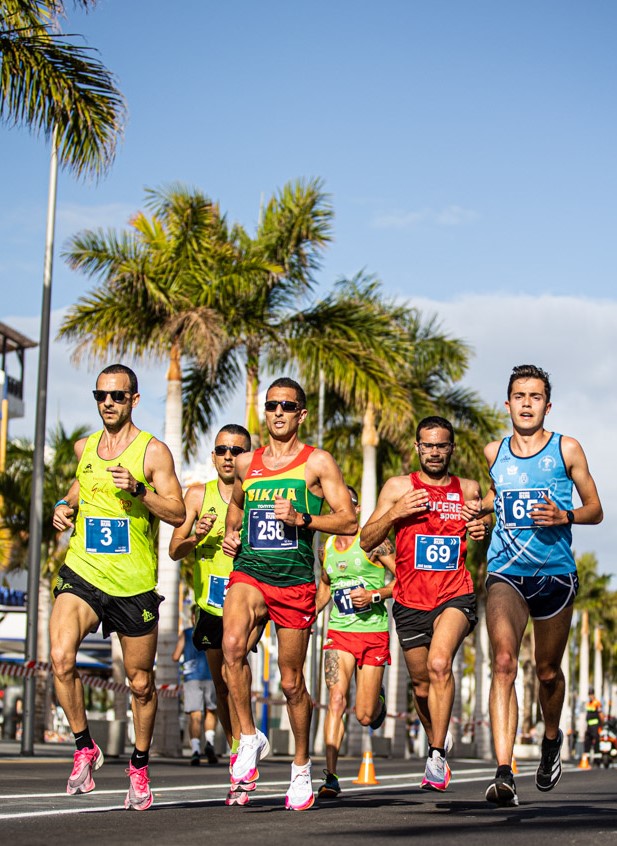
(38, 469)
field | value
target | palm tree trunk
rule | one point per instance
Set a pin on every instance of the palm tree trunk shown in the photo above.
(252, 392)
(370, 440)
(598, 680)
(482, 733)
(167, 732)
(583, 673)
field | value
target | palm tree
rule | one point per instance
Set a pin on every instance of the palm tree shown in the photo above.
(47, 82)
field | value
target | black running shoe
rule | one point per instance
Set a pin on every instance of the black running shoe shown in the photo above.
(330, 789)
(195, 762)
(549, 771)
(502, 791)
(210, 754)
(378, 721)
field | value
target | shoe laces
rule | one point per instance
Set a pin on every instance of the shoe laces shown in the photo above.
(83, 756)
(139, 777)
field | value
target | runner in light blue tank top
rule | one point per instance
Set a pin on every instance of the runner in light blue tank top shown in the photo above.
(518, 546)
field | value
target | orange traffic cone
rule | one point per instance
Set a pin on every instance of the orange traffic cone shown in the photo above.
(584, 764)
(514, 767)
(366, 774)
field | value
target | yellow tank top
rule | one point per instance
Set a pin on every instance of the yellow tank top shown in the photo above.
(212, 566)
(112, 546)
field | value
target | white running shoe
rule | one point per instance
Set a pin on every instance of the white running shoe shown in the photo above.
(252, 749)
(448, 743)
(300, 795)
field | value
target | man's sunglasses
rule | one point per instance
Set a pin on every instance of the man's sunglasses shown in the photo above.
(223, 449)
(286, 405)
(117, 396)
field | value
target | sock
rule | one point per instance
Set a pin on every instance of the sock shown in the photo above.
(437, 749)
(234, 745)
(83, 739)
(195, 745)
(251, 739)
(503, 771)
(210, 737)
(550, 743)
(139, 759)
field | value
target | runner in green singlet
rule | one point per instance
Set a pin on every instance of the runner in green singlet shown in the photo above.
(125, 482)
(357, 640)
(274, 509)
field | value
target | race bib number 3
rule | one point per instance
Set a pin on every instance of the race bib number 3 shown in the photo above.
(107, 535)
(437, 552)
(266, 532)
(217, 588)
(518, 505)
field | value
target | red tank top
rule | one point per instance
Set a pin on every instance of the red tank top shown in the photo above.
(431, 550)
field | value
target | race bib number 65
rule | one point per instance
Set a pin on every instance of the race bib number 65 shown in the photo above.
(518, 505)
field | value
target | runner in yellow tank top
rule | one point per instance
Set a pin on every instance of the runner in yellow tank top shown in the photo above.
(201, 536)
(125, 482)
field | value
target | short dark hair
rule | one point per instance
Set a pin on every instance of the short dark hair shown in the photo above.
(530, 371)
(285, 382)
(235, 429)
(122, 368)
(435, 422)
(354, 495)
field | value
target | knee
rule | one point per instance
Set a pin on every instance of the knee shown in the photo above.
(363, 718)
(548, 674)
(141, 684)
(234, 647)
(505, 665)
(293, 687)
(439, 668)
(63, 662)
(337, 703)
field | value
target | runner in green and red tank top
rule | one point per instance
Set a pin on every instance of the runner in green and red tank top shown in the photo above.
(274, 509)
(357, 643)
(125, 483)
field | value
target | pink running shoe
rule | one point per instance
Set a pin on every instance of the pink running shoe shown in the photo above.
(139, 796)
(84, 762)
(437, 773)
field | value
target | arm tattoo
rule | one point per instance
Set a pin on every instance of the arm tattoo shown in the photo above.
(384, 548)
(331, 667)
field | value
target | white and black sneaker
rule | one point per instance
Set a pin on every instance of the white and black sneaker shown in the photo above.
(502, 790)
(549, 771)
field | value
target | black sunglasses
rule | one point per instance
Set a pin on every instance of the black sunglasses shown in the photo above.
(223, 449)
(117, 396)
(286, 405)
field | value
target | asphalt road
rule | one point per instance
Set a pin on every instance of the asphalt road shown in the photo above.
(188, 806)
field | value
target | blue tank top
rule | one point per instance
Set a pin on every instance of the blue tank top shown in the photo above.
(517, 547)
(195, 664)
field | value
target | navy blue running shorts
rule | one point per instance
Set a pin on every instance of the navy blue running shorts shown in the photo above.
(546, 596)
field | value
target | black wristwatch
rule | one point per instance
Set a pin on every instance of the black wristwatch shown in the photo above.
(140, 489)
(307, 518)
(570, 516)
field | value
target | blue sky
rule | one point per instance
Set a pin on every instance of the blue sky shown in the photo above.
(469, 148)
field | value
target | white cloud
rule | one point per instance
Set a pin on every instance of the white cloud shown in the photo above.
(449, 216)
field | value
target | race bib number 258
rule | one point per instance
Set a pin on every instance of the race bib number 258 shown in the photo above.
(266, 532)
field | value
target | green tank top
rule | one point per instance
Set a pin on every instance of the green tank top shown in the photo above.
(212, 566)
(112, 546)
(349, 569)
(270, 551)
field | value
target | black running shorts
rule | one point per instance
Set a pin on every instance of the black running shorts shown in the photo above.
(415, 627)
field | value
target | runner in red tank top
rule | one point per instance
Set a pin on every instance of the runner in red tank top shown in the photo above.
(434, 607)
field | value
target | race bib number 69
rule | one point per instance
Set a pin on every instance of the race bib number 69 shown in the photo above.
(437, 552)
